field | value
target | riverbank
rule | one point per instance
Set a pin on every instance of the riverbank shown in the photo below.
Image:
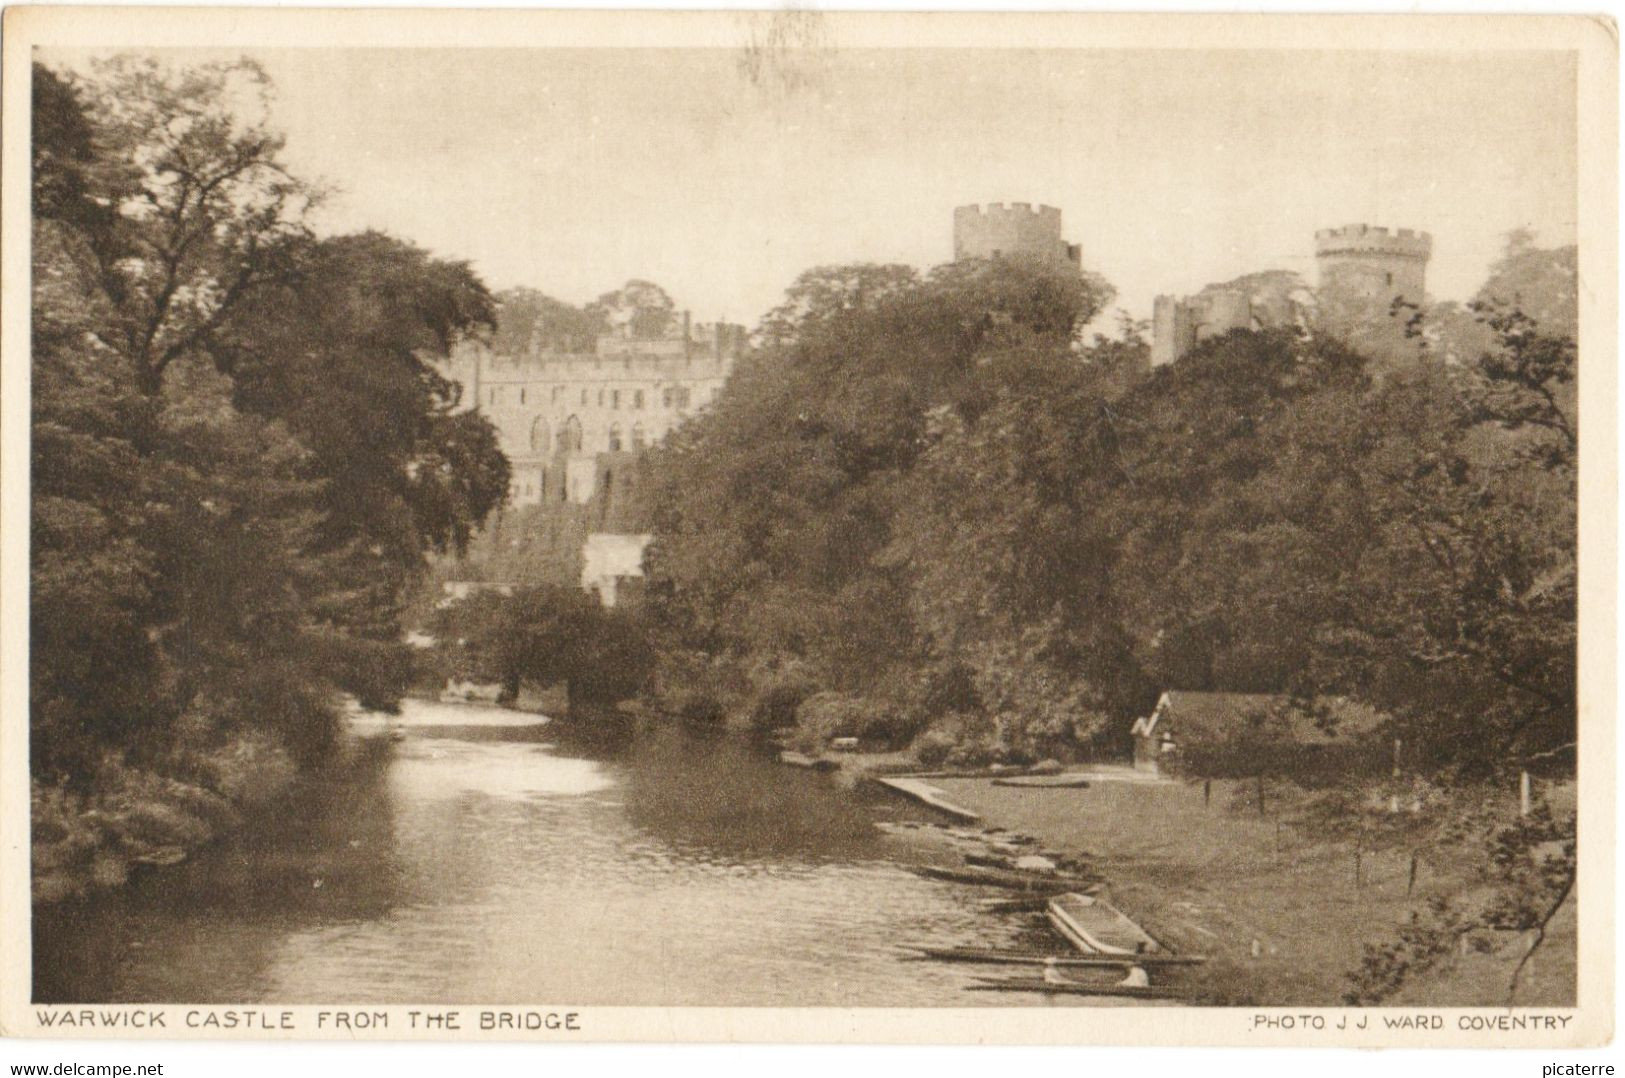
(139, 819)
(1282, 919)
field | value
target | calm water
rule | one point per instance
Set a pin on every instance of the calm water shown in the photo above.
(491, 860)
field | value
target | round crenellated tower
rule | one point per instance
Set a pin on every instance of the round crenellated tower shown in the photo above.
(997, 231)
(1359, 262)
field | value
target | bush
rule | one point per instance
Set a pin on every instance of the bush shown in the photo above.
(825, 716)
(932, 747)
(776, 706)
(699, 707)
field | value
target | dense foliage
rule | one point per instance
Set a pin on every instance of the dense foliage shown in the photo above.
(242, 453)
(546, 636)
(927, 492)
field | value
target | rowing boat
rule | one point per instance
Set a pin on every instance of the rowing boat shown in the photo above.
(1009, 878)
(1035, 984)
(1045, 782)
(1095, 926)
(1038, 958)
(811, 763)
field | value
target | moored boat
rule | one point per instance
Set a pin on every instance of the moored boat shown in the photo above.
(1045, 782)
(1095, 926)
(811, 763)
(1036, 984)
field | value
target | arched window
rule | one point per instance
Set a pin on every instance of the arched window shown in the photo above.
(540, 435)
(637, 437)
(570, 436)
(614, 437)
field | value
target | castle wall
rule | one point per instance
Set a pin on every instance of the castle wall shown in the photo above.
(556, 412)
(1179, 324)
(1360, 262)
(1362, 270)
(998, 231)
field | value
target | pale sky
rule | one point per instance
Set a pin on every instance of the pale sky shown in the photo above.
(572, 170)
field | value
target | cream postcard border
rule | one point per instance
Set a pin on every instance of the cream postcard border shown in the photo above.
(1593, 39)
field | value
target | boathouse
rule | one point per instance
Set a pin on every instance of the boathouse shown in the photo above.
(1333, 732)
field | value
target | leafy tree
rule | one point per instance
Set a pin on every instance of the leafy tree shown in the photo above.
(345, 356)
(242, 451)
(205, 214)
(777, 511)
(529, 321)
(549, 635)
(1460, 616)
(827, 294)
(641, 308)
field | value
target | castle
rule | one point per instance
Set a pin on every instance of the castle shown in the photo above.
(999, 231)
(562, 417)
(574, 426)
(1359, 268)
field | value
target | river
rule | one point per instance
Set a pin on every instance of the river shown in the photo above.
(494, 858)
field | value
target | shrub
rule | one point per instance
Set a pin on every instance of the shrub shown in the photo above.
(828, 715)
(698, 706)
(776, 706)
(932, 747)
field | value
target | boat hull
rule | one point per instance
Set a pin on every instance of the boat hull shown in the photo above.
(1094, 926)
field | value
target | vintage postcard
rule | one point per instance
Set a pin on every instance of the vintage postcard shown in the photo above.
(801, 527)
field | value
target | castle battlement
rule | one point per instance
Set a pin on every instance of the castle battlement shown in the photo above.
(997, 230)
(1361, 238)
(1000, 209)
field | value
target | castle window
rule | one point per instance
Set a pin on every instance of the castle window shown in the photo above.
(600, 398)
(570, 436)
(637, 437)
(493, 394)
(1390, 277)
(615, 398)
(583, 396)
(521, 394)
(539, 435)
(665, 397)
(614, 437)
(637, 398)
(682, 396)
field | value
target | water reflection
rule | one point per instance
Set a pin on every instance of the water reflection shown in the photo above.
(507, 862)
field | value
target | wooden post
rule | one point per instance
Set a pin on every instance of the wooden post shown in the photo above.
(1393, 799)
(1523, 793)
(1207, 792)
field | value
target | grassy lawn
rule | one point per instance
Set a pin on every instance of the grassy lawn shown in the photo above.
(1278, 913)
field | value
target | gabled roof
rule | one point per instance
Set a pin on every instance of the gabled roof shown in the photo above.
(1211, 716)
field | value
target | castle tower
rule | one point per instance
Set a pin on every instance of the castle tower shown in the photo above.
(1372, 265)
(997, 231)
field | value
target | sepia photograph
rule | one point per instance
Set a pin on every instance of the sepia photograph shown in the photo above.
(520, 522)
